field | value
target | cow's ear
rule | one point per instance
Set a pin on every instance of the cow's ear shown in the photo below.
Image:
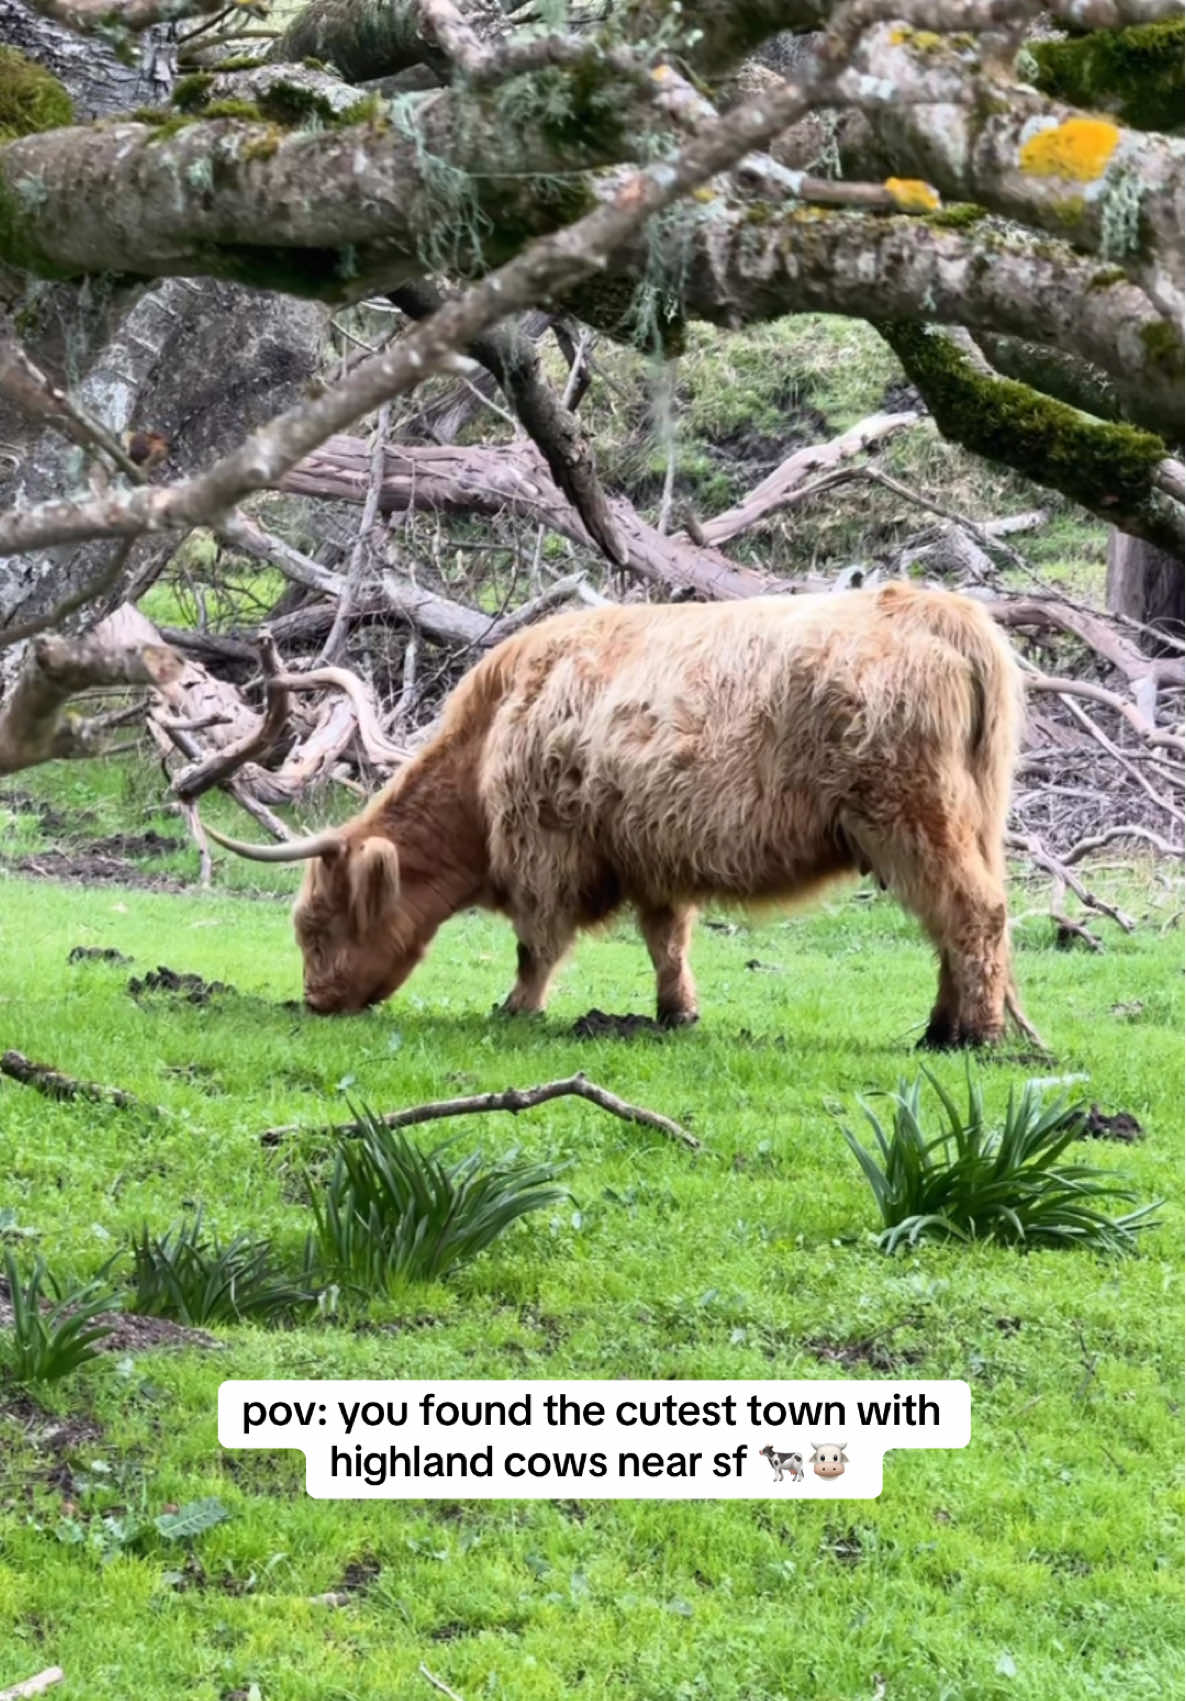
(374, 881)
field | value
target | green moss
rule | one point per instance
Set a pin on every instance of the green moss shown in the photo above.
(958, 216)
(1088, 460)
(1135, 73)
(1068, 210)
(243, 62)
(30, 98)
(1107, 276)
(247, 110)
(17, 245)
(163, 127)
(295, 105)
(265, 144)
(189, 93)
(1164, 343)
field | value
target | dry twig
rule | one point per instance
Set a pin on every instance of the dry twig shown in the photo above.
(33, 1685)
(514, 1100)
(45, 1079)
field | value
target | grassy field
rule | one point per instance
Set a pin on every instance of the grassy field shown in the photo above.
(1042, 1561)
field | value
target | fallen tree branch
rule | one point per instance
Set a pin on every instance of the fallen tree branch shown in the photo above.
(33, 1685)
(362, 544)
(438, 1683)
(514, 1100)
(1100, 694)
(217, 769)
(1043, 857)
(54, 670)
(787, 480)
(1098, 841)
(45, 1079)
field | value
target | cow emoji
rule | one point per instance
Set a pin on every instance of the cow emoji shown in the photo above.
(783, 1464)
(828, 1458)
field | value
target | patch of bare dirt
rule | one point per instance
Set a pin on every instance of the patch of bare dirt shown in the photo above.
(192, 988)
(132, 1333)
(126, 1331)
(359, 1575)
(150, 843)
(60, 1435)
(878, 1355)
(84, 867)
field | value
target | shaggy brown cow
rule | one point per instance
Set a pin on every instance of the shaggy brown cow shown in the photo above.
(660, 756)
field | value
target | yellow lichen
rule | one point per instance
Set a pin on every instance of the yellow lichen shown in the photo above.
(912, 195)
(1077, 150)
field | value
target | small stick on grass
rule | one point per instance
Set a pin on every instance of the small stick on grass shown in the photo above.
(43, 1079)
(33, 1685)
(429, 1677)
(513, 1099)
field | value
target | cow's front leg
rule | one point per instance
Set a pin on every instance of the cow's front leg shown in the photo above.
(667, 930)
(538, 958)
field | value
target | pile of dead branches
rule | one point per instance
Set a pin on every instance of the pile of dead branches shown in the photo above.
(348, 674)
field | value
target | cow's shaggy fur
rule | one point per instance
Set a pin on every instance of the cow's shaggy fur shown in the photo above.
(661, 756)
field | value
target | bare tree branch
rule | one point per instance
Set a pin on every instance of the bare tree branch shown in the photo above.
(514, 1100)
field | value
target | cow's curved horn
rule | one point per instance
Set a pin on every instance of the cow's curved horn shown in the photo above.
(328, 843)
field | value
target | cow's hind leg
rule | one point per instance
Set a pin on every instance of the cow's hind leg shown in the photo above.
(945, 880)
(944, 1019)
(965, 913)
(667, 929)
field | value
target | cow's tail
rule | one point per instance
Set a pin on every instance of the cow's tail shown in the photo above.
(986, 726)
(992, 734)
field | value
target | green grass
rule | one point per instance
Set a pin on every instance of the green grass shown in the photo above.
(1042, 1561)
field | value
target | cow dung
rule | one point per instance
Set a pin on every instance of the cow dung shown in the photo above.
(597, 1024)
(1122, 1126)
(191, 987)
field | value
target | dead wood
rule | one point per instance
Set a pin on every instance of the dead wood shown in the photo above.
(219, 768)
(788, 480)
(509, 354)
(55, 670)
(55, 1085)
(513, 1099)
(36, 1685)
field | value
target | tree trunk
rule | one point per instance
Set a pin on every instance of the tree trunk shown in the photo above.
(1145, 583)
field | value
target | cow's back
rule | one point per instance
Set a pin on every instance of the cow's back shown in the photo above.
(701, 749)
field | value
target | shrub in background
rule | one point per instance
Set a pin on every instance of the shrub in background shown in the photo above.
(974, 1182)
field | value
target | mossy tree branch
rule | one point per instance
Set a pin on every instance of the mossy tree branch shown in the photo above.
(1111, 469)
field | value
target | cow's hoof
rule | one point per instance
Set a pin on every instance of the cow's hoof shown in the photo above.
(678, 1018)
(509, 1008)
(946, 1038)
(940, 1035)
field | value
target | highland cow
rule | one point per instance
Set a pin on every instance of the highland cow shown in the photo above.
(663, 756)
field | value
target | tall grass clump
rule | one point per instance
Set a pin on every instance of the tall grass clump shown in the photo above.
(971, 1181)
(391, 1213)
(50, 1336)
(194, 1277)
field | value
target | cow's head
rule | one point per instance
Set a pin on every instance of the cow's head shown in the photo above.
(357, 936)
(828, 1458)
